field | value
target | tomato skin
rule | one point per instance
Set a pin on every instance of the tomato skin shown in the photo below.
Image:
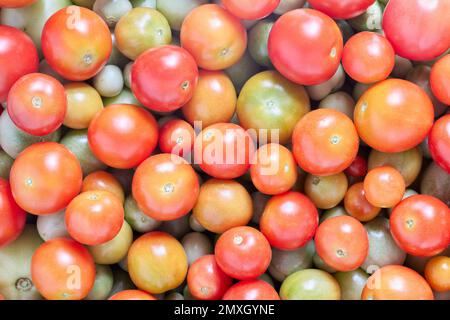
(418, 40)
(76, 43)
(302, 57)
(243, 253)
(15, 3)
(325, 142)
(358, 168)
(18, 57)
(341, 9)
(12, 217)
(132, 295)
(439, 79)
(420, 225)
(251, 10)
(437, 273)
(394, 115)
(384, 187)
(176, 136)
(289, 220)
(164, 78)
(37, 104)
(45, 177)
(104, 181)
(439, 142)
(357, 205)
(205, 279)
(55, 262)
(251, 290)
(123, 135)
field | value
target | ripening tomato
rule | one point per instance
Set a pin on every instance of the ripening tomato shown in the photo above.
(104, 181)
(12, 217)
(394, 115)
(341, 9)
(164, 78)
(224, 150)
(165, 187)
(199, 35)
(15, 3)
(395, 282)
(205, 279)
(420, 225)
(18, 57)
(358, 168)
(368, 57)
(76, 43)
(250, 9)
(37, 104)
(243, 253)
(342, 243)
(289, 220)
(384, 187)
(437, 273)
(132, 295)
(45, 177)
(356, 204)
(62, 269)
(419, 40)
(176, 136)
(251, 290)
(440, 79)
(305, 46)
(439, 142)
(325, 142)
(123, 135)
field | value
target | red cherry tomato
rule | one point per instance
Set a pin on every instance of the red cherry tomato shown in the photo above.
(76, 43)
(18, 57)
(289, 220)
(420, 224)
(251, 290)
(305, 46)
(250, 9)
(37, 104)
(439, 142)
(358, 168)
(418, 29)
(341, 9)
(243, 253)
(123, 135)
(440, 79)
(164, 78)
(15, 3)
(132, 295)
(12, 217)
(176, 136)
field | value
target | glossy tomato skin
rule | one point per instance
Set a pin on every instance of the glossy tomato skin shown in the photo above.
(393, 115)
(357, 205)
(18, 57)
(325, 142)
(176, 136)
(289, 220)
(358, 168)
(243, 253)
(164, 78)
(249, 9)
(132, 295)
(251, 290)
(45, 177)
(439, 79)
(307, 58)
(37, 104)
(384, 187)
(420, 225)
(103, 181)
(439, 142)
(437, 273)
(418, 40)
(123, 135)
(341, 9)
(62, 269)
(12, 217)
(15, 3)
(76, 43)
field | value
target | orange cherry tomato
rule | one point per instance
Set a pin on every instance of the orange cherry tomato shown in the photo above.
(439, 142)
(356, 204)
(437, 273)
(251, 290)
(132, 295)
(341, 9)
(12, 217)
(394, 115)
(105, 181)
(62, 269)
(384, 187)
(45, 177)
(199, 35)
(15, 3)
(176, 136)
(325, 142)
(440, 79)
(249, 9)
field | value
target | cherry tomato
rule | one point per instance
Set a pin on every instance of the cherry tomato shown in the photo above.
(243, 253)
(420, 224)
(356, 203)
(62, 269)
(251, 290)
(439, 142)
(15, 3)
(341, 9)
(437, 273)
(123, 135)
(342, 243)
(214, 37)
(45, 177)
(165, 187)
(164, 78)
(249, 9)
(76, 43)
(205, 279)
(37, 104)
(396, 283)
(358, 168)
(12, 217)
(176, 136)
(326, 192)
(384, 187)
(18, 57)
(394, 115)
(440, 80)
(104, 181)
(419, 40)
(132, 295)
(325, 142)
(305, 46)
(289, 220)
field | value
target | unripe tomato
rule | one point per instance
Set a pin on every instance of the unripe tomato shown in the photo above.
(12, 217)
(249, 9)
(357, 205)
(251, 290)
(341, 9)
(439, 142)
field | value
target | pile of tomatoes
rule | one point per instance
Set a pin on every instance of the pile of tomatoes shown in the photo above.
(228, 149)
